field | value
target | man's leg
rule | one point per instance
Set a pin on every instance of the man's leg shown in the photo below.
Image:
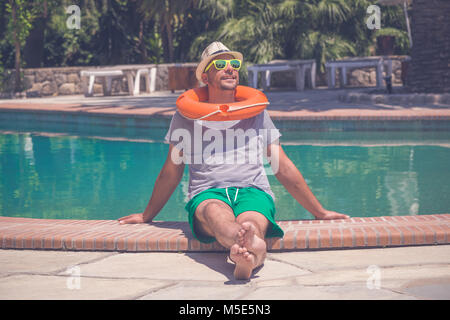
(215, 218)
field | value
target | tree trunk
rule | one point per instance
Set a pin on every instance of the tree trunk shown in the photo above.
(165, 44)
(17, 85)
(33, 53)
(143, 48)
(169, 36)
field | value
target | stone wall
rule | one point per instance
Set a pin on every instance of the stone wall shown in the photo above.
(53, 81)
(429, 69)
(41, 82)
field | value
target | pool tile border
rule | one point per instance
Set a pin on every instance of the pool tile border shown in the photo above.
(71, 112)
(108, 235)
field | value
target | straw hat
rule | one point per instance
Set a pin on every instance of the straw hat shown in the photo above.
(213, 50)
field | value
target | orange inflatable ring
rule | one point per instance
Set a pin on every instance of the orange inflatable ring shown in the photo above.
(249, 102)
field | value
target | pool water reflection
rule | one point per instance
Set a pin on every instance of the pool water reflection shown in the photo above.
(71, 177)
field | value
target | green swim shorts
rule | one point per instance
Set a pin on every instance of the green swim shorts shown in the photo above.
(240, 200)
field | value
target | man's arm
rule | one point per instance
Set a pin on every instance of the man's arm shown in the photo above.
(291, 178)
(165, 184)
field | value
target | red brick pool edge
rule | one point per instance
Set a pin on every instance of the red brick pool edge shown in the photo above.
(108, 235)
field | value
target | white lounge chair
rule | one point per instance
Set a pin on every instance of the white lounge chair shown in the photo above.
(107, 75)
(132, 73)
(299, 66)
(150, 75)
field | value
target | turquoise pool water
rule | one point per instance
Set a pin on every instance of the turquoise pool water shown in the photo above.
(84, 177)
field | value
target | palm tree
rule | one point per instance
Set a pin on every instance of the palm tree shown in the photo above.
(287, 29)
(257, 33)
(113, 38)
(204, 21)
(167, 13)
(314, 30)
(19, 27)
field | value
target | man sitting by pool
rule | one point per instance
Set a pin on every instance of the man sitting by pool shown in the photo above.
(230, 201)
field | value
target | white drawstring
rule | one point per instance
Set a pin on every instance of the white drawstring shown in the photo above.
(226, 191)
(235, 195)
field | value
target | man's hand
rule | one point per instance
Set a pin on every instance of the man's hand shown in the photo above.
(168, 179)
(291, 178)
(330, 215)
(132, 218)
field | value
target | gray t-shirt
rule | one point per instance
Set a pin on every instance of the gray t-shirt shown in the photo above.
(224, 154)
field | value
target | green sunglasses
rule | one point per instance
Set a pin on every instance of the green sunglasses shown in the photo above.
(221, 64)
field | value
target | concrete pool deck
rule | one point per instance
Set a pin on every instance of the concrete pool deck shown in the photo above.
(319, 104)
(402, 273)
(406, 257)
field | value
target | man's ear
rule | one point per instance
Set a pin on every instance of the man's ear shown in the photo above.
(204, 78)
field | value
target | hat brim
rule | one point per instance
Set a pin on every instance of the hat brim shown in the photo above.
(202, 65)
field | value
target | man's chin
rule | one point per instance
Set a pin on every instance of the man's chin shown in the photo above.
(228, 86)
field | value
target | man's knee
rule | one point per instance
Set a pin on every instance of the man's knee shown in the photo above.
(214, 206)
(209, 213)
(215, 209)
(260, 222)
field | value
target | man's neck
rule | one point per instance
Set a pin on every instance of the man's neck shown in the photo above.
(221, 96)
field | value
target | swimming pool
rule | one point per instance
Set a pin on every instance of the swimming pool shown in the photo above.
(102, 175)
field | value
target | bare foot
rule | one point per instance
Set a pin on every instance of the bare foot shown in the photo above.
(248, 239)
(244, 260)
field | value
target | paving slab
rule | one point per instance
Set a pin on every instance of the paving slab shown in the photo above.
(181, 267)
(362, 258)
(34, 261)
(202, 291)
(342, 292)
(389, 277)
(33, 287)
(160, 266)
(433, 291)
